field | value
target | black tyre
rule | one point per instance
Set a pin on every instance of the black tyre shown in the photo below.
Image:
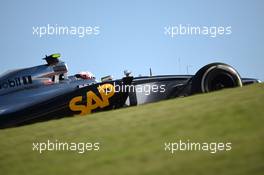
(214, 77)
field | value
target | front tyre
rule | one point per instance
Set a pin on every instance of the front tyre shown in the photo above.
(215, 76)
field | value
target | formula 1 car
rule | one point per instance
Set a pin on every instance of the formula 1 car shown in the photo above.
(46, 92)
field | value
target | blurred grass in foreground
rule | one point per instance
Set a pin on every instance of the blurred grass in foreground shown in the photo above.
(132, 139)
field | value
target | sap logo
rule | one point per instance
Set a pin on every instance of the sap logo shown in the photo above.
(93, 101)
(15, 82)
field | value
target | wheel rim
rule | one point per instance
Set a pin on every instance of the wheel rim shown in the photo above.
(218, 82)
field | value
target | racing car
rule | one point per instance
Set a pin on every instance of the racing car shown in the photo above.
(46, 91)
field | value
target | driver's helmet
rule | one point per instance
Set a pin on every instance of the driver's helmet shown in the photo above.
(85, 75)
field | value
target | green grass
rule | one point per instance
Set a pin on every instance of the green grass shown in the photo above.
(132, 139)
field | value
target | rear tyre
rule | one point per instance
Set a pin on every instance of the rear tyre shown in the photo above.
(215, 76)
